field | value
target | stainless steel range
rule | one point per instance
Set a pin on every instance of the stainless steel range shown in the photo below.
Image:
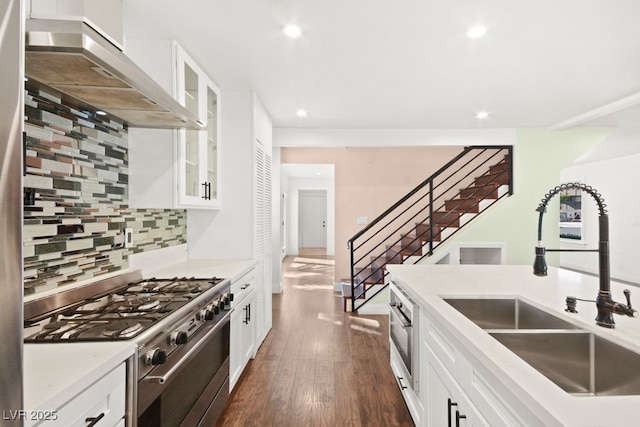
(180, 326)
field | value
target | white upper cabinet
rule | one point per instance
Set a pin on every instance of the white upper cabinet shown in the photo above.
(176, 169)
(198, 154)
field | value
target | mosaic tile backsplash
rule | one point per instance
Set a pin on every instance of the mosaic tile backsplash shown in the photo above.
(76, 206)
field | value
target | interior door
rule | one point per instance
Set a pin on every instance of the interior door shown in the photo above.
(313, 218)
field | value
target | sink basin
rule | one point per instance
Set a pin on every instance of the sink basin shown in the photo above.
(506, 313)
(579, 362)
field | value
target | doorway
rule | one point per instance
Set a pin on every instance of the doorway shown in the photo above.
(312, 219)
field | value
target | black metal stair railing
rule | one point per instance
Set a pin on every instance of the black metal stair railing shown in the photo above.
(427, 216)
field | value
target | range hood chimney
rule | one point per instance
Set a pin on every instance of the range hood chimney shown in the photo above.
(88, 71)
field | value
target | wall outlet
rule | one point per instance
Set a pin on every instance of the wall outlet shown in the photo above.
(362, 220)
(128, 237)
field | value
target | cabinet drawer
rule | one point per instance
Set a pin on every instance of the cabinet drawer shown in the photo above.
(106, 396)
(240, 288)
(410, 397)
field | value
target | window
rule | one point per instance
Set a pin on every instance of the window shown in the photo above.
(571, 214)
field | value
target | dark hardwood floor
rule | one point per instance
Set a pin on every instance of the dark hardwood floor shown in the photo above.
(318, 366)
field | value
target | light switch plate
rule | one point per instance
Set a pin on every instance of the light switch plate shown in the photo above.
(128, 237)
(362, 220)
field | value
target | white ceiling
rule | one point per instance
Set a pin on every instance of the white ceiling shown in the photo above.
(408, 63)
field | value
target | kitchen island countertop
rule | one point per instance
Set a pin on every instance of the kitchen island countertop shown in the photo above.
(428, 284)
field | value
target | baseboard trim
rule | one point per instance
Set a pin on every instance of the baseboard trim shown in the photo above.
(370, 308)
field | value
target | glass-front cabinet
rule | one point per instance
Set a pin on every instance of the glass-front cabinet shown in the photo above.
(168, 168)
(212, 142)
(197, 151)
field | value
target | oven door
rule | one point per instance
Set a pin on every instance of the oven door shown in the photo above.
(402, 318)
(193, 389)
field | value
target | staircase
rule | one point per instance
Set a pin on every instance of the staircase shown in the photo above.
(430, 214)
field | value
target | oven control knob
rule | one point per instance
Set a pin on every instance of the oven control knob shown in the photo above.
(179, 337)
(217, 306)
(210, 312)
(227, 299)
(155, 357)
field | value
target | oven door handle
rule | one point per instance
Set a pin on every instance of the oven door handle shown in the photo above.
(161, 379)
(400, 317)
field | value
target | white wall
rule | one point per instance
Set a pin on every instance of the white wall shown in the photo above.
(293, 186)
(228, 232)
(616, 180)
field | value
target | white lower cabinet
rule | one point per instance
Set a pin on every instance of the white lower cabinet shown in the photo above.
(243, 326)
(104, 402)
(455, 382)
(447, 404)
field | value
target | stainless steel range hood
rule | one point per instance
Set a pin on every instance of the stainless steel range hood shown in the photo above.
(75, 60)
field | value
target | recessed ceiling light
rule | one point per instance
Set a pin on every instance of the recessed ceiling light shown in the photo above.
(481, 115)
(101, 113)
(301, 113)
(477, 32)
(292, 31)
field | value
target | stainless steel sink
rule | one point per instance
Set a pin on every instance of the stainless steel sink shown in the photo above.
(579, 362)
(506, 313)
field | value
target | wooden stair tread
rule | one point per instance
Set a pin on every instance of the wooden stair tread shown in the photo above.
(370, 276)
(422, 229)
(500, 177)
(500, 166)
(410, 244)
(488, 191)
(447, 218)
(469, 204)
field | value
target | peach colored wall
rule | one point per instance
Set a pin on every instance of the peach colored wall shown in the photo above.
(368, 181)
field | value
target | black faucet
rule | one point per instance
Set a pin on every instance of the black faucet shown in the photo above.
(605, 305)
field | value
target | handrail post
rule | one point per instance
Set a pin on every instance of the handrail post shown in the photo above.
(510, 151)
(431, 236)
(353, 288)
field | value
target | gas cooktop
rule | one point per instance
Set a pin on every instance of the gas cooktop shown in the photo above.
(118, 314)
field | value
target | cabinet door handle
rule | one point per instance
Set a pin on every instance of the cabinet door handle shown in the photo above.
(459, 417)
(207, 190)
(247, 314)
(450, 404)
(402, 386)
(94, 420)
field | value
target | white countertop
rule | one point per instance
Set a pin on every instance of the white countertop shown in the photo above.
(428, 284)
(55, 373)
(223, 268)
